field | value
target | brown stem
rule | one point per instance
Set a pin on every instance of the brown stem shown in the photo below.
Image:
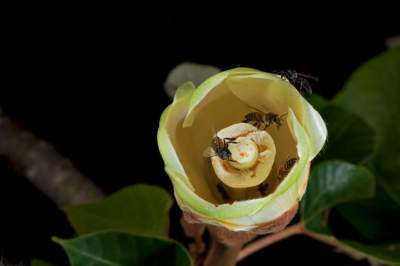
(221, 254)
(339, 246)
(294, 230)
(194, 230)
(225, 246)
(50, 172)
(269, 240)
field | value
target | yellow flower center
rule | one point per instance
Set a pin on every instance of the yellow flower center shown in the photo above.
(252, 155)
(244, 153)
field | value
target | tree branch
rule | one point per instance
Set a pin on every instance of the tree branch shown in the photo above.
(50, 172)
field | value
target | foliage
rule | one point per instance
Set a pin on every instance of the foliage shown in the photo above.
(357, 175)
(362, 129)
(129, 227)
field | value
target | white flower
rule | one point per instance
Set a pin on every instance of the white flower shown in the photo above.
(233, 193)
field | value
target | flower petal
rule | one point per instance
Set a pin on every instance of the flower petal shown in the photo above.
(265, 89)
(251, 87)
(237, 87)
(291, 189)
(186, 89)
(168, 121)
(209, 85)
(315, 127)
(244, 215)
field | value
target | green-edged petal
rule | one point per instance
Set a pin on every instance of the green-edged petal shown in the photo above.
(170, 118)
(185, 90)
(279, 91)
(244, 215)
(209, 85)
(315, 127)
(269, 90)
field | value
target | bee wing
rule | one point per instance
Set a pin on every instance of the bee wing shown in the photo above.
(246, 173)
(256, 109)
(257, 137)
(208, 152)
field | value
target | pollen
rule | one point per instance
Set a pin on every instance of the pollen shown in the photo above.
(262, 147)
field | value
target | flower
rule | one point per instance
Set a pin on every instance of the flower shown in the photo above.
(258, 188)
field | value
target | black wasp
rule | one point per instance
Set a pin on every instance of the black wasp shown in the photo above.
(297, 78)
(220, 147)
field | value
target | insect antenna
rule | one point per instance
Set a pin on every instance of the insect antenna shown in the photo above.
(283, 115)
(307, 76)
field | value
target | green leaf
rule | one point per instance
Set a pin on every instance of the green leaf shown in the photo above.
(317, 101)
(319, 223)
(349, 139)
(388, 254)
(122, 249)
(334, 182)
(139, 209)
(376, 219)
(373, 92)
(36, 262)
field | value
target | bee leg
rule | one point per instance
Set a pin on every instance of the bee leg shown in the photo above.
(304, 84)
(223, 192)
(230, 140)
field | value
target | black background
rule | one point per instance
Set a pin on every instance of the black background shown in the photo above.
(94, 89)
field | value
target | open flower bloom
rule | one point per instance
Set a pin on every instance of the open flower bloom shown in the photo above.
(259, 172)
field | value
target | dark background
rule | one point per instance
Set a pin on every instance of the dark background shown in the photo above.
(95, 91)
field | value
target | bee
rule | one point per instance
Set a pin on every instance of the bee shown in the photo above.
(260, 118)
(220, 147)
(223, 192)
(297, 78)
(262, 188)
(285, 169)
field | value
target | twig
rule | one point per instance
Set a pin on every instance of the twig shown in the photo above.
(299, 229)
(270, 239)
(50, 172)
(339, 246)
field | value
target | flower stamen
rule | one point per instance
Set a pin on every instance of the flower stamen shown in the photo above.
(252, 153)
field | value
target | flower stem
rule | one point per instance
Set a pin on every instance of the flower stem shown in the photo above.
(221, 254)
(225, 246)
